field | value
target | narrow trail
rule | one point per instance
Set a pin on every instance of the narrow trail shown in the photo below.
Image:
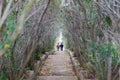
(57, 67)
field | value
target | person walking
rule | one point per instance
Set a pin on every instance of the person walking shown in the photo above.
(58, 46)
(61, 46)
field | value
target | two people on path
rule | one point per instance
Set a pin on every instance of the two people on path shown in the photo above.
(59, 46)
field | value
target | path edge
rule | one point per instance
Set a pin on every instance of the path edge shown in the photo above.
(76, 67)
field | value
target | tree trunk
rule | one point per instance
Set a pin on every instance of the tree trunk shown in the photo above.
(119, 73)
(109, 72)
(1, 7)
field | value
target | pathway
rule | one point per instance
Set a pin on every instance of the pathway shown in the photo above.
(57, 67)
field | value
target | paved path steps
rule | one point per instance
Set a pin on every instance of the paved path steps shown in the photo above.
(57, 67)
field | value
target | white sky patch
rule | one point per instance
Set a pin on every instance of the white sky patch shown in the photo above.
(60, 38)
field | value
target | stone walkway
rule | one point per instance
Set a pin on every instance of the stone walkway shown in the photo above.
(57, 67)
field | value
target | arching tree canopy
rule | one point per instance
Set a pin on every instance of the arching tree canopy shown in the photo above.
(89, 28)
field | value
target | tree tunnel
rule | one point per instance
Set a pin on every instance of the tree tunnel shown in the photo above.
(89, 28)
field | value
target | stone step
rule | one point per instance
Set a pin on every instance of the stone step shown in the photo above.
(57, 78)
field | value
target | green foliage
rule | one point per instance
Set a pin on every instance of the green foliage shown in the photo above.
(10, 23)
(103, 49)
(5, 43)
(8, 30)
(0, 45)
(88, 67)
(99, 54)
(108, 20)
(87, 1)
(2, 78)
(38, 55)
(3, 75)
